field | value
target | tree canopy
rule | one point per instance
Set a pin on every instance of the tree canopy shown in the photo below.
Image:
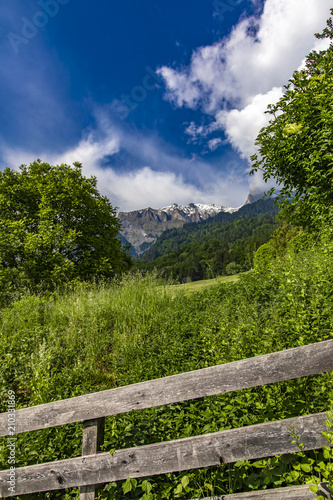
(296, 148)
(56, 227)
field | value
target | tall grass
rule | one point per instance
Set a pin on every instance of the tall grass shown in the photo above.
(54, 345)
(102, 336)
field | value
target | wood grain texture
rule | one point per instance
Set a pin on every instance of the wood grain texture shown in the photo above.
(252, 442)
(261, 370)
(92, 436)
(92, 440)
(289, 493)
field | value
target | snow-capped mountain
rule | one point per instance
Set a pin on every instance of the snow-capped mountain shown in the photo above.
(193, 209)
(141, 228)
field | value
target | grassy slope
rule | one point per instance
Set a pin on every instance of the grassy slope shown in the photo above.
(196, 286)
(101, 337)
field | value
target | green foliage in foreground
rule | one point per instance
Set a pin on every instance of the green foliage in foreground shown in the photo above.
(325, 469)
(99, 337)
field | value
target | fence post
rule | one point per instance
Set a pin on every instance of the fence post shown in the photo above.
(92, 440)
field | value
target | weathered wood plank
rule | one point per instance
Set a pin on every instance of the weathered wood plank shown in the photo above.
(92, 440)
(266, 369)
(88, 492)
(288, 493)
(93, 436)
(252, 442)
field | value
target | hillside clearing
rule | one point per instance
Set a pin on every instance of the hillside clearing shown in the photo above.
(195, 286)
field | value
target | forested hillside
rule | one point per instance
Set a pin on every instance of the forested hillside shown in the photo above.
(224, 244)
(141, 228)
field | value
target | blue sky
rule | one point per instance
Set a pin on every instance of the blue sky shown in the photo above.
(161, 101)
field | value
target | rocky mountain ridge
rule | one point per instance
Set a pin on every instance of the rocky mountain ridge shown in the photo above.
(141, 228)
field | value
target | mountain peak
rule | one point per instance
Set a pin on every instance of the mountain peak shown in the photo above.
(254, 196)
(204, 210)
(142, 227)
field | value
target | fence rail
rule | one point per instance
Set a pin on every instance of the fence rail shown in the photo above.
(255, 441)
(243, 374)
(291, 493)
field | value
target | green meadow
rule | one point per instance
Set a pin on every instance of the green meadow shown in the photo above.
(95, 337)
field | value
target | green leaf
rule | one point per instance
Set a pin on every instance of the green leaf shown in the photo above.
(306, 467)
(178, 489)
(146, 486)
(127, 486)
(208, 486)
(147, 496)
(134, 483)
(184, 481)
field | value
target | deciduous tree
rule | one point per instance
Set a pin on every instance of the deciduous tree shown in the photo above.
(55, 226)
(296, 148)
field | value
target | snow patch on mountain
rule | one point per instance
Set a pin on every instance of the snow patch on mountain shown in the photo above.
(142, 227)
(203, 210)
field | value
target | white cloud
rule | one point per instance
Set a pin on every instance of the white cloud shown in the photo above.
(242, 126)
(181, 90)
(159, 184)
(194, 131)
(214, 143)
(90, 151)
(238, 76)
(242, 65)
(132, 190)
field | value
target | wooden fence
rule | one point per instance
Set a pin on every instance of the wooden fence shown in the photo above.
(94, 468)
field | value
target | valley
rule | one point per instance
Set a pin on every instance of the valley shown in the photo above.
(141, 228)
